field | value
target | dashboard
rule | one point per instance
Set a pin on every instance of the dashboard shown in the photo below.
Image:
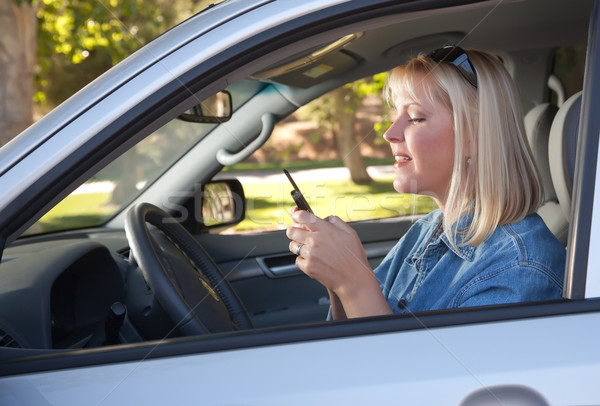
(57, 294)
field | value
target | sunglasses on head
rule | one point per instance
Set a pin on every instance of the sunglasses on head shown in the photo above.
(457, 57)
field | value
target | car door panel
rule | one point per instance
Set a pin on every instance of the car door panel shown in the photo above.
(455, 361)
(275, 292)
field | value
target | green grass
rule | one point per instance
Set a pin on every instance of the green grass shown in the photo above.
(268, 204)
(76, 211)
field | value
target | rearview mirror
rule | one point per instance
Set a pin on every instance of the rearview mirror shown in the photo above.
(215, 109)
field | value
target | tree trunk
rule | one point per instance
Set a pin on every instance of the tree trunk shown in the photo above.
(18, 48)
(343, 129)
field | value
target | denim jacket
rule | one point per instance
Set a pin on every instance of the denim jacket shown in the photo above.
(519, 262)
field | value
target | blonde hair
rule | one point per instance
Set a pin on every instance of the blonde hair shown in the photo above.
(500, 184)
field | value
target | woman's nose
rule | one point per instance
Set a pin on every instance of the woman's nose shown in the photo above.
(395, 133)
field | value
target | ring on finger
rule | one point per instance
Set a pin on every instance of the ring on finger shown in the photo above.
(298, 248)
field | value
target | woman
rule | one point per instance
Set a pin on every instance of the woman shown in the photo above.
(458, 137)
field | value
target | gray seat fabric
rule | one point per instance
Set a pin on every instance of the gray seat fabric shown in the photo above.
(538, 122)
(537, 126)
(562, 150)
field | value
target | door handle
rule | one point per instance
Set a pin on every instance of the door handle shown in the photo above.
(278, 266)
(505, 395)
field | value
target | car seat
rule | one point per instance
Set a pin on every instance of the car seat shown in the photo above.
(562, 150)
(538, 122)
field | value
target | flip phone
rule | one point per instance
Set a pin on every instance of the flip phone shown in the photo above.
(297, 194)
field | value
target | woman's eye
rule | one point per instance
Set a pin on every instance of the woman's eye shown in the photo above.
(416, 120)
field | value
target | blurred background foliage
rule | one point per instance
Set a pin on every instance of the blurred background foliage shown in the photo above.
(324, 110)
(80, 39)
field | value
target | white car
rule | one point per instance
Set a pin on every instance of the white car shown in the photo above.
(105, 310)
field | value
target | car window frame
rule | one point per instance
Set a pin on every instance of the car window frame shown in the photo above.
(577, 269)
(30, 361)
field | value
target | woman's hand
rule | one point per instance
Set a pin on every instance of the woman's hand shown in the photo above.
(332, 253)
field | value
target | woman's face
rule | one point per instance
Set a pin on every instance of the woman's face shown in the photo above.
(422, 141)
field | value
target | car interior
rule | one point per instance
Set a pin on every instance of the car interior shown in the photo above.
(66, 288)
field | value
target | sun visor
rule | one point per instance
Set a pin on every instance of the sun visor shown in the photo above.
(309, 69)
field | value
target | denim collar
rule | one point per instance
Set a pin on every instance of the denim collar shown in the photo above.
(464, 251)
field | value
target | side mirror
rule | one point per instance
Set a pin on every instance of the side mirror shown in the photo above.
(222, 204)
(216, 109)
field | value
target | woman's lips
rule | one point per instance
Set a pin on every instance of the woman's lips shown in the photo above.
(401, 160)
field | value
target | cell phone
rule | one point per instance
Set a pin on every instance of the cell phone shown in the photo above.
(297, 194)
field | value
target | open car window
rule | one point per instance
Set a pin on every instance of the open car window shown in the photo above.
(354, 184)
(114, 187)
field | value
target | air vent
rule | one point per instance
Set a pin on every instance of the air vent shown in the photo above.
(6, 340)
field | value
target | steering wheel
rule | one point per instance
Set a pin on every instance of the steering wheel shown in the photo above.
(186, 282)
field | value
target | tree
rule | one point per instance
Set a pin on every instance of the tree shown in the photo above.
(336, 112)
(80, 39)
(343, 121)
(64, 44)
(17, 64)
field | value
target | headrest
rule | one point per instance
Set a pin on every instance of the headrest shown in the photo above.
(562, 149)
(537, 126)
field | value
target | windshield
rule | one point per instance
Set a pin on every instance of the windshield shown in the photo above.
(115, 186)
